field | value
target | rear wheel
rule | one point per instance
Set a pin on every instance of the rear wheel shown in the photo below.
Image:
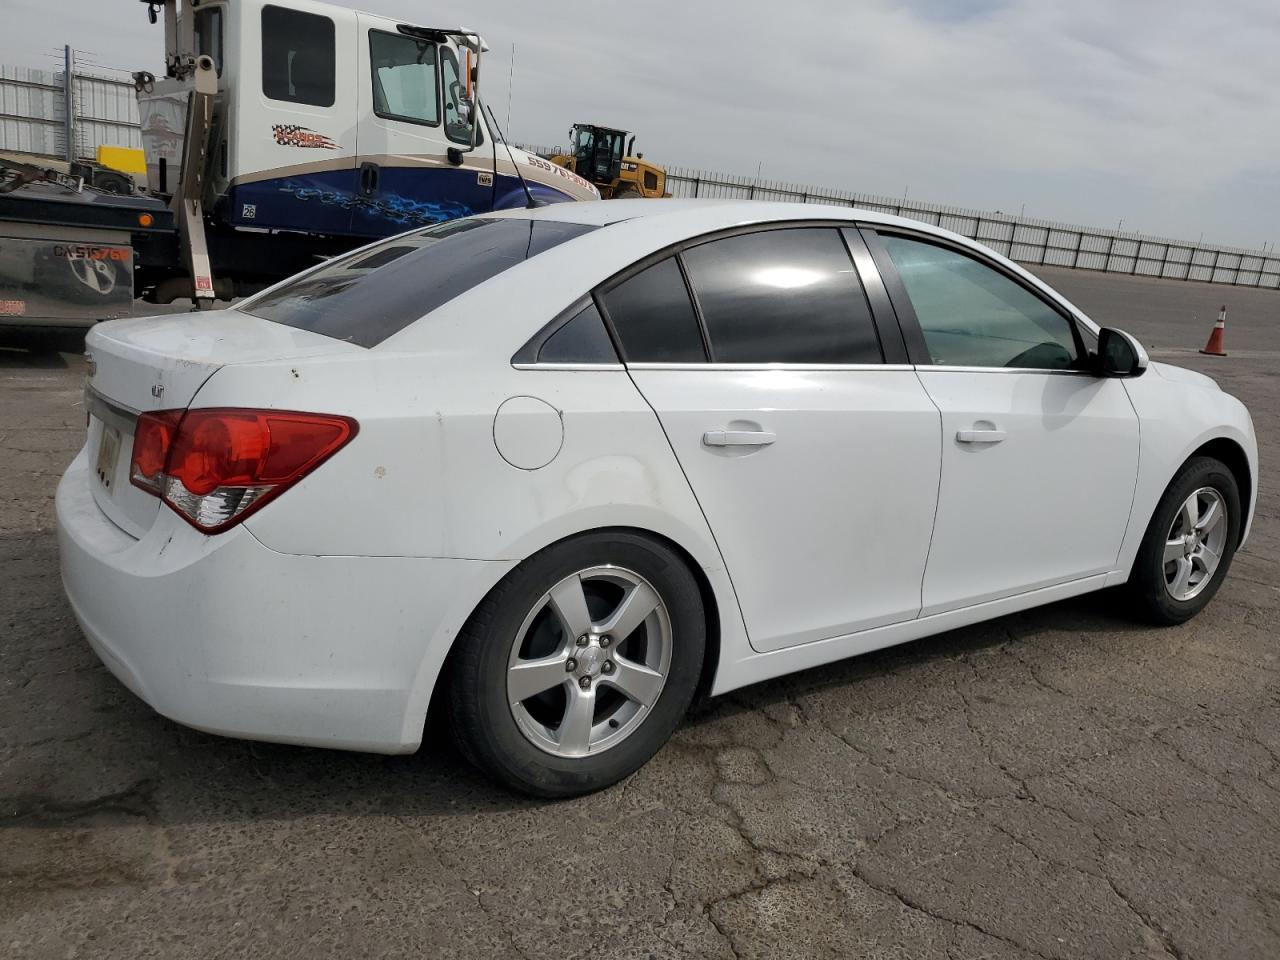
(1189, 543)
(116, 183)
(576, 669)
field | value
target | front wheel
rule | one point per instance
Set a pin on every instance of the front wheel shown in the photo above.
(576, 669)
(1189, 543)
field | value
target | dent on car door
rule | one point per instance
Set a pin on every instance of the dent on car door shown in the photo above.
(815, 463)
(1039, 456)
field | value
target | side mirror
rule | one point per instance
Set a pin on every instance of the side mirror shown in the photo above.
(1119, 355)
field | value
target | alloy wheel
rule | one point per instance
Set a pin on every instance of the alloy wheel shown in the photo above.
(1195, 543)
(589, 661)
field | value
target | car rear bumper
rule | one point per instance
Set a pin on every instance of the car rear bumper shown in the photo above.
(228, 636)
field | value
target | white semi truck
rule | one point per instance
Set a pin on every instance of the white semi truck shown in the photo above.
(279, 132)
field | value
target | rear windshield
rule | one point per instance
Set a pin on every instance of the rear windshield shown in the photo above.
(369, 295)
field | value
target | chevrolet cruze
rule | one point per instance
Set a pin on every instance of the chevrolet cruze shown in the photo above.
(565, 467)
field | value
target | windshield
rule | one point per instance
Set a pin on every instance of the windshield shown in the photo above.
(369, 295)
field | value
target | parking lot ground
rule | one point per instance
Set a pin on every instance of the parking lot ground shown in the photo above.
(1062, 783)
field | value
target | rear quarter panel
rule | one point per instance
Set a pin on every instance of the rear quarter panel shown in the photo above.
(424, 478)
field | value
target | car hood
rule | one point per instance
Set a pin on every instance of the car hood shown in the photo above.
(1183, 375)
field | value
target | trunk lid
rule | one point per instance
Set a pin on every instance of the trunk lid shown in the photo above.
(146, 364)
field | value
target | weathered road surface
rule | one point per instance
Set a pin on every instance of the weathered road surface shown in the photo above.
(1058, 784)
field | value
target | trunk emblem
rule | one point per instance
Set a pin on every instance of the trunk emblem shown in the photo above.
(157, 391)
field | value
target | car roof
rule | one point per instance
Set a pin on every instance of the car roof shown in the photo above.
(603, 213)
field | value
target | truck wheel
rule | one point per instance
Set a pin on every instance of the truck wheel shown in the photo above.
(116, 183)
(628, 191)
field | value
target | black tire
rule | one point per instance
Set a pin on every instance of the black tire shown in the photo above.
(628, 191)
(481, 720)
(114, 183)
(1150, 598)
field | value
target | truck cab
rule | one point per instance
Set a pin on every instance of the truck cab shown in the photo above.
(335, 122)
(278, 132)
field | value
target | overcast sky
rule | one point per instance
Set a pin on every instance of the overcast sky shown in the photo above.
(1163, 113)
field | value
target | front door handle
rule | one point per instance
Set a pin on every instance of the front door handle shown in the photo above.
(980, 436)
(738, 438)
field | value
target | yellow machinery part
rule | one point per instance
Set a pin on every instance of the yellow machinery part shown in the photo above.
(125, 159)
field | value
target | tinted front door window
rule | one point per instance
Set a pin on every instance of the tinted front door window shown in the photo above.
(782, 296)
(973, 316)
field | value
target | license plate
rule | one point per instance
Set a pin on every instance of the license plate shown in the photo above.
(108, 453)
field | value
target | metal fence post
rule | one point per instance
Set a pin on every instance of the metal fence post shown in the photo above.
(1075, 260)
(69, 102)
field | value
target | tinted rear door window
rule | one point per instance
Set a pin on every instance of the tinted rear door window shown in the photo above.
(368, 296)
(782, 296)
(654, 317)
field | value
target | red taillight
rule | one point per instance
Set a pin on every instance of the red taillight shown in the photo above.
(216, 466)
(151, 439)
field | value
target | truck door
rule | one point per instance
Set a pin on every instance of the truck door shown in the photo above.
(409, 91)
(295, 136)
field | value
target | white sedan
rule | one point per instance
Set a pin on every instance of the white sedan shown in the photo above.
(567, 467)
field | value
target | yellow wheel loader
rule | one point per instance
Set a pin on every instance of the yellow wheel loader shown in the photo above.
(604, 156)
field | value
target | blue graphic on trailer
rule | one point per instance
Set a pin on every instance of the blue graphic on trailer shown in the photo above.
(332, 201)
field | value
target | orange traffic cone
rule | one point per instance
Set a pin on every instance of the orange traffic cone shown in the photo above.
(1214, 347)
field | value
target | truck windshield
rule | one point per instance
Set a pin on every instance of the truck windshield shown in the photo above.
(369, 295)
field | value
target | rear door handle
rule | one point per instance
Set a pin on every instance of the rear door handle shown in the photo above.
(980, 436)
(738, 438)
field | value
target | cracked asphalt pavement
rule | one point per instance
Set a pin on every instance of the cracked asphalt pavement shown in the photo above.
(1062, 783)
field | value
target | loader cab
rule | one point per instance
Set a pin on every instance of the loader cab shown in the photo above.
(606, 157)
(598, 152)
